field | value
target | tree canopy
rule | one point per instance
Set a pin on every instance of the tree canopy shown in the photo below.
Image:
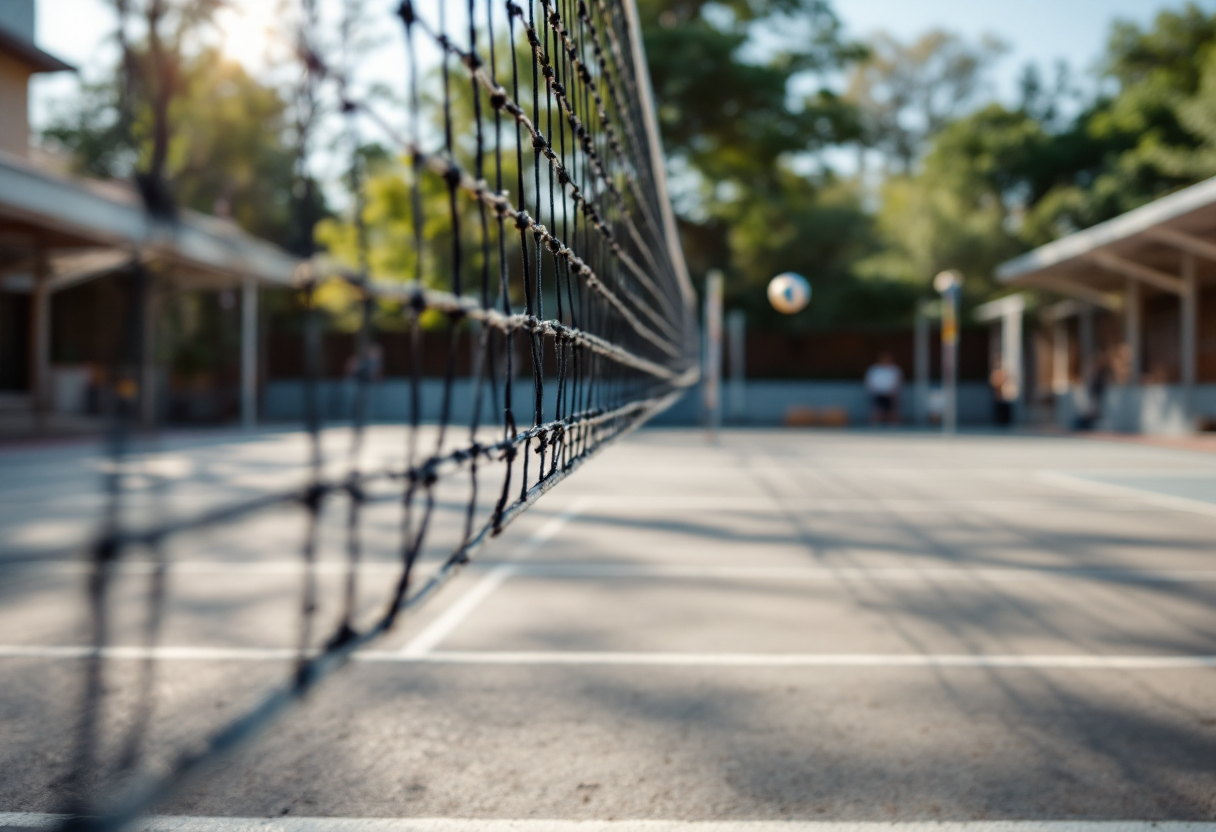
(1004, 178)
(758, 101)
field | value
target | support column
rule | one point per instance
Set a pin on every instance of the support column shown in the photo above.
(147, 353)
(40, 336)
(921, 362)
(249, 353)
(1011, 355)
(1131, 330)
(1187, 303)
(736, 330)
(1060, 382)
(950, 358)
(1085, 343)
(711, 377)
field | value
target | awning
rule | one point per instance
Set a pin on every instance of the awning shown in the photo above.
(1147, 245)
(88, 228)
(30, 55)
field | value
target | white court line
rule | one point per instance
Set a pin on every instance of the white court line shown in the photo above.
(638, 659)
(162, 653)
(848, 505)
(890, 660)
(204, 567)
(632, 570)
(442, 627)
(304, 824)
(880, 574)
(1126, 491)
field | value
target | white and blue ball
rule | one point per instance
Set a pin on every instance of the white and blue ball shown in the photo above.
(789, 293)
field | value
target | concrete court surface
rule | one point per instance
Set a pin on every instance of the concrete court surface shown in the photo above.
(807, 626)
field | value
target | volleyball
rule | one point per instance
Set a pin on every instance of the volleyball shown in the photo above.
(789, 293)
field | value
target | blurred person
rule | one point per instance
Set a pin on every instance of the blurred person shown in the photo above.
(883, 382)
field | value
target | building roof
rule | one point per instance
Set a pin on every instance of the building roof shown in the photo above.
(1146, 244)
(72, 216)
(18, 47)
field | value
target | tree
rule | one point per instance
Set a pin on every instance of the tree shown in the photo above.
(175, 111)
(753, 197)
(908, 92)
(959, 211)
(1150, 136)
(1000, 180)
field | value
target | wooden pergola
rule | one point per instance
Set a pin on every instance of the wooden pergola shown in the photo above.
(57, 232)
(1167, 247)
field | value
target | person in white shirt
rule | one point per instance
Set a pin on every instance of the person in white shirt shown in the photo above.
(883, 381)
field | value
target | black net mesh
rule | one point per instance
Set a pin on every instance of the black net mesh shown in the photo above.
(543, 266)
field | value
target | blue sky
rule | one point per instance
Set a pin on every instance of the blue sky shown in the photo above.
(1042, 31)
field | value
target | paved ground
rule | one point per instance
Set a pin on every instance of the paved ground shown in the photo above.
(815, 626)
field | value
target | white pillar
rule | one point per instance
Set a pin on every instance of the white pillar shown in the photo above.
(1187, 332)
(249, 353)
(1131, 330)
(921, 362)
(736, 330)
(1085, 339)
(1011, 354)
(147, 353)
(1060, 382)
(712, 376)
(40, 335)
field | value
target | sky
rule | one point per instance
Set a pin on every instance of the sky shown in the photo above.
(1041, 31)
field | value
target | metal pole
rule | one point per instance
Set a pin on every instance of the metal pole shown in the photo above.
(1187, 334)
(950, 362)
(1085, 337)
(921, 363)
(1060, 382)
(147, 353)
(949, 284)
(40, 338)
(1131, 330)
(1011, 347)
(249, 353)
(736, 328)
(713, 353)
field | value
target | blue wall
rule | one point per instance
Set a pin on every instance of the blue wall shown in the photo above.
(766, 401)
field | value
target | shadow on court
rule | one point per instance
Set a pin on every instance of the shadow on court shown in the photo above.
(839, 549)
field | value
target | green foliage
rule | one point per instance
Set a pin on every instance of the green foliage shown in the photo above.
(229, 151)
(747, 108)
(742, 142)
(386, 239)
(999, 181)
(957, 211)
(907, 93)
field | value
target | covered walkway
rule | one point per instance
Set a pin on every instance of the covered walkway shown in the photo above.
(1127, 347)
(57, 233)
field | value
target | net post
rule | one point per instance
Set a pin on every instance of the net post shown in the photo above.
(40, 338)
(949, 284)
(712, 373)
(736, 328)
(147, 351)
(249, 353)
(925, 309)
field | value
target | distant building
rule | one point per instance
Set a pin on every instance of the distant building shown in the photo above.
(20, 59)
(1133, 345)
(63, 243)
